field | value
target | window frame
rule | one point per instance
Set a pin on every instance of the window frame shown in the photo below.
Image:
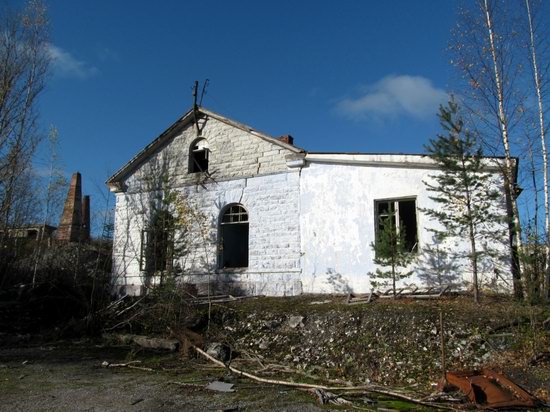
(233, 221)
(147, 235)
(397, 222)
(194, 166)
(144, 241)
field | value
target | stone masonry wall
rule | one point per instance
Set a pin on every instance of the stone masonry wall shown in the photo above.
(234, 153)
(272, 202)
(243, 168)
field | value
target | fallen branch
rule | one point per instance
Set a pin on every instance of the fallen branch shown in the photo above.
(127, 321)
(366, 388)
(129, 307)
(128, 365)
(113, 304)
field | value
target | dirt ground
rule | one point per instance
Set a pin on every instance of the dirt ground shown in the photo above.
(394, 344)
(69, 377)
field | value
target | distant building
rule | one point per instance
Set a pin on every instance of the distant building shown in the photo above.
(32, 232)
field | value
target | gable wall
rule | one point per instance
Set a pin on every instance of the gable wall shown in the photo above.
(234, 153)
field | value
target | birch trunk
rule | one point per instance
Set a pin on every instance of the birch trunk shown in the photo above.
(538, 89)
(509, 178)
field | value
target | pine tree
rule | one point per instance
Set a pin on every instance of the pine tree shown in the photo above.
(391, 251)
(463, 191)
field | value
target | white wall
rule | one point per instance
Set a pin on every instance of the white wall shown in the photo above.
(310, 230)
(337, 227)
(272, 202)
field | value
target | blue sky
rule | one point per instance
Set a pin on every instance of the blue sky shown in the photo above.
(359, 76)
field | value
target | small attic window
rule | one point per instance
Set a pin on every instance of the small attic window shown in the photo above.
(198, 156)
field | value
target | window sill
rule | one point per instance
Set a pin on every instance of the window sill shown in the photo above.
(232, 270)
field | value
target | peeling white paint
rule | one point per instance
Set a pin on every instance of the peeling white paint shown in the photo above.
(337, 226)
(311, 216)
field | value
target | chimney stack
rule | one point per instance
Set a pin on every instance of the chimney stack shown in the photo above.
(71, 221)
(287, 139)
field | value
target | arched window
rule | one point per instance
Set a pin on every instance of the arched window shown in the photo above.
(198, 156)
(234, 237)
(157, 244)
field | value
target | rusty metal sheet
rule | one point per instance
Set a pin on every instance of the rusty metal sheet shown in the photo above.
(487, 388)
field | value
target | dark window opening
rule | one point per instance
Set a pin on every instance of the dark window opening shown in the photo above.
(198, 156)
(403, 215)
(234, 237)
(157, 244)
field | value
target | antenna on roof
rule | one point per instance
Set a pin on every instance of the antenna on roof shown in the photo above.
(195, 107)
(204, 86)
(195, 89)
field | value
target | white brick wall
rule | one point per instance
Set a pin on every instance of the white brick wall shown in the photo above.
(272, 202)
(234, 153)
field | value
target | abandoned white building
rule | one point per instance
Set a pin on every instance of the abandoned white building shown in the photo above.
(218, 203)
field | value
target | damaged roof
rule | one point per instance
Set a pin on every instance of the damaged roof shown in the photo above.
(379, 159)
(186, 119)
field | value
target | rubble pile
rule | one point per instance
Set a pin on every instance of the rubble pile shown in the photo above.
(395, 342)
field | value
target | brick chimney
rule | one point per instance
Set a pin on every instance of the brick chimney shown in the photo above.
(287, 139)
(70, 225)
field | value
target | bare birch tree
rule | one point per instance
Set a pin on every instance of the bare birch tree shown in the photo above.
(538, 86)
(53, 195)
(486, 55)
(24, 61)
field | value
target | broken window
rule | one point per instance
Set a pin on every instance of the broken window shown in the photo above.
(234, 237)
(403, 214)
(157, 244)
(198, 156)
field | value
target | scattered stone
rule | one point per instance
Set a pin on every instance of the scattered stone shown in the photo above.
(219, 351)
(295, 321)
(270, 324)
(171, 345)
(263, 345)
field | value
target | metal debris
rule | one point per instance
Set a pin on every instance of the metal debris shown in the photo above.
(489, 389)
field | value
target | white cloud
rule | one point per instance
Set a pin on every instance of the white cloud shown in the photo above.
(65, 64)
(394, 95)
